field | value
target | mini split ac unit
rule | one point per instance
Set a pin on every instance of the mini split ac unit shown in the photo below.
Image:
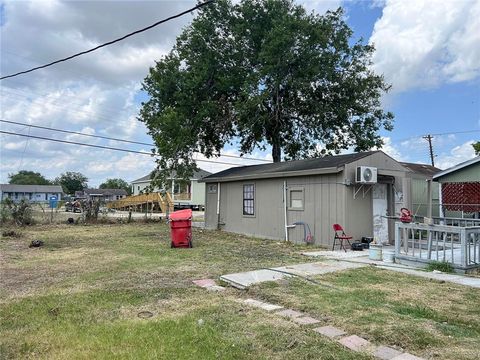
(366, 175)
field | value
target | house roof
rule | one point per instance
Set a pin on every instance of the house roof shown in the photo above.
(327, 164)
(422, 169)
(31, 188)
(457, 167)
(105, 192)
(197, 175)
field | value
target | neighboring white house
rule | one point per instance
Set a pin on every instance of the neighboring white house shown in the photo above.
(105, 195)
(189, 193)
(32, 193)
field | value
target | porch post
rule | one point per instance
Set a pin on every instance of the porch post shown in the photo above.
(463, 246)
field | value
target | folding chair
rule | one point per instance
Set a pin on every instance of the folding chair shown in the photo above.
(341, 237)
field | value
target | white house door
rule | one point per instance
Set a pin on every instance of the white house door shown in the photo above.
(380, 206)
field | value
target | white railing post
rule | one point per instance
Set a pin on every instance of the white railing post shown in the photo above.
(463, 246)
(398, 239)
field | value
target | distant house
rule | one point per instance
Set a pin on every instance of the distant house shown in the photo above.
(459, 189)
(105, 195)
(189, 193)
(363, 192)
(32, 193)
(419, 175)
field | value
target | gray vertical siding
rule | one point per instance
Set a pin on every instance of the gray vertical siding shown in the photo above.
(327, 200)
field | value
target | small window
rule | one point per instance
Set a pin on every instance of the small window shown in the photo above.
(212, 188)
(249, 199)
(296, 199)
(138, 187)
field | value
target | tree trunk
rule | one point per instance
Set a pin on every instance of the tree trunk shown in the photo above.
(276, 152)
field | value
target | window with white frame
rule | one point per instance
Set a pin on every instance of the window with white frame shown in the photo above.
(296, 198)
(249, 199)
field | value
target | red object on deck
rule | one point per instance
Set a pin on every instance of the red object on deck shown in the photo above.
(181, 228)
(405, 216)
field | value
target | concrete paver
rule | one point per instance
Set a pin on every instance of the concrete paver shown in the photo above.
(407, 356)
(386, 353)
(305, 320)
(355, 343)
(329, 331)
(215, 288)
(248, 278)
(262, 305)
(289, 313)
(204, 282)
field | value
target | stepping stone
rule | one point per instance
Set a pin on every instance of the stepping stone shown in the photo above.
(216, 288)
(329, 331)
(386, 353)
(407, 356)
(289, 313)
(204, 282)
(262, 305)
(305, 320)
(355, 343)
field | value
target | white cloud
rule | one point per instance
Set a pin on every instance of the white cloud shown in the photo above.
(457, 155)
(422, 44)
(391, 150)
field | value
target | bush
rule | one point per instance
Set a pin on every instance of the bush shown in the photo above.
(20, 213)
(442, 266)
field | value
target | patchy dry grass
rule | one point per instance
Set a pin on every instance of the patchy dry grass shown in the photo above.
(427, 318)
(80, 294)
(79, 297)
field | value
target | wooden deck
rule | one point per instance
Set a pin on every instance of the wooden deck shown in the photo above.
(144, 202)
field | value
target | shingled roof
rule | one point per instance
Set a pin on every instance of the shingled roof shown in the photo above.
(197, 175)
(327, 164)
(422, 169)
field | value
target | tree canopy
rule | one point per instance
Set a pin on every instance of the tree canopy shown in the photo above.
(265, 74)
(25, 177)
(116, 184)
(72, 181)
(476, 148)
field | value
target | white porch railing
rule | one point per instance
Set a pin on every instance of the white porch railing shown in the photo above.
(452, 221)
(457, 245)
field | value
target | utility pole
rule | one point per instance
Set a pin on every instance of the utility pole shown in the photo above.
(429, 139)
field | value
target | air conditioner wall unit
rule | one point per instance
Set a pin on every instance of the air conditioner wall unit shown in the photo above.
(366, 175)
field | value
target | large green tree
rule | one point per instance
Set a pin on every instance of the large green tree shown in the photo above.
(476, 148)
(265, 74)
(25, 177)
(116, 184)
(72, 181)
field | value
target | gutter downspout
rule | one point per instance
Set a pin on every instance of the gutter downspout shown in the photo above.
(218, 205)
(285, 208)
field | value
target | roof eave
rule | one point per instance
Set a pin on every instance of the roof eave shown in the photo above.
(330, 170)
(455, 168)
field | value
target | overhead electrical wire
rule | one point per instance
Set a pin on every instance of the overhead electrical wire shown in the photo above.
(109, 42)
(114, 139)
(104, 147)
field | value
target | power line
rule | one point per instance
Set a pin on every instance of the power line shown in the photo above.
(109, 42)
(439, 134)
(114, 139)
(103, 147)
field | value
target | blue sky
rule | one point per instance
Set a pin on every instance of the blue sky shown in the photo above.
(428, 50)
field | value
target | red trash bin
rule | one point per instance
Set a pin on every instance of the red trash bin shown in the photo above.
(181, 228)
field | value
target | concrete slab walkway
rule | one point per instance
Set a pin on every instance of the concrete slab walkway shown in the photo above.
(245, 279)
(359, 257)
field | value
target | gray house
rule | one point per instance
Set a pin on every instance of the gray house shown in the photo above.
(32, 193)
(189, 193)
(361, 192)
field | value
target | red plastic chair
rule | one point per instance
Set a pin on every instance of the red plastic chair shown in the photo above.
(341, 237)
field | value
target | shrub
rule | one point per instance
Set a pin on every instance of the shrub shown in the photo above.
(442, 266)
(20, 213)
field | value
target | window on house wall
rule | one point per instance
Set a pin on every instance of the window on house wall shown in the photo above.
(249, 199)
(296, 198)
(212, 188)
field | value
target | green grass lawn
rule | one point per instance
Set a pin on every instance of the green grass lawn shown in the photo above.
(79, 296)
